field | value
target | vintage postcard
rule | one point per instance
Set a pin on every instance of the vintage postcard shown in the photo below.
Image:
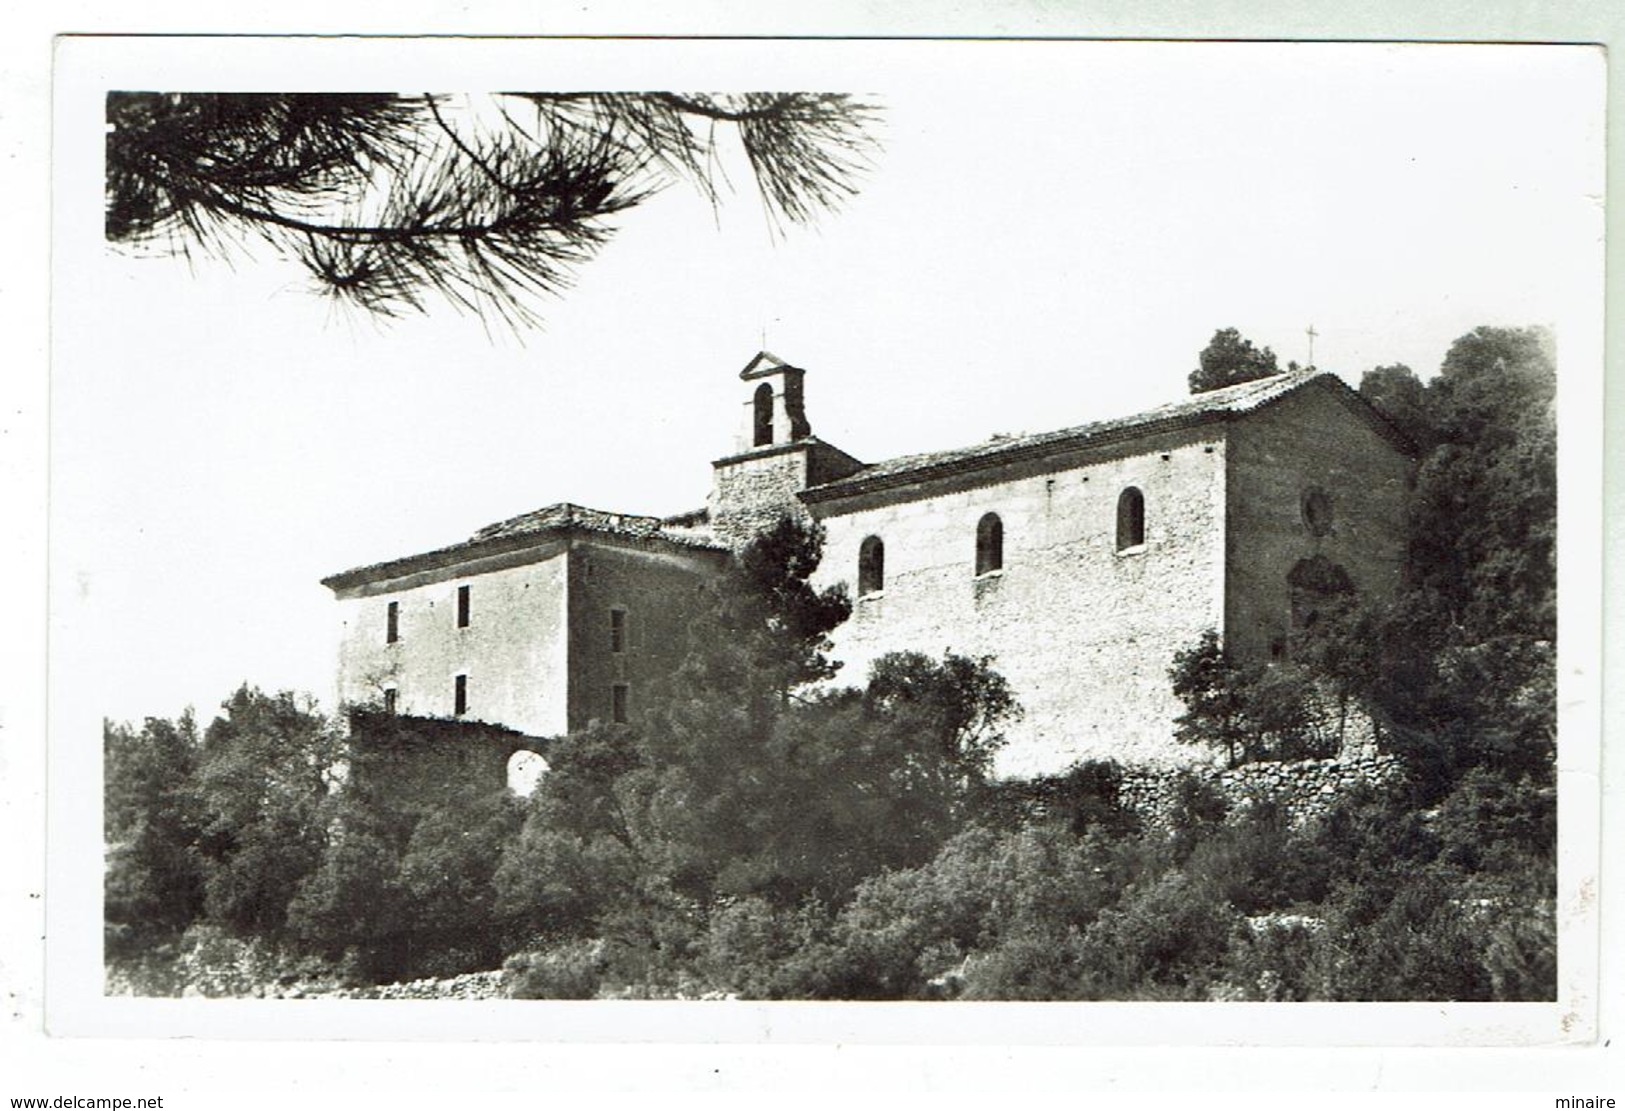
(1061, 542)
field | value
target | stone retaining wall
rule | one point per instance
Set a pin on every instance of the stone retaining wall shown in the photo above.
(1307, 788)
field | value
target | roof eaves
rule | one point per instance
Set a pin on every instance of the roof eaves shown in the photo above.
(480, 546)
(1215, 405)
(1018, 452)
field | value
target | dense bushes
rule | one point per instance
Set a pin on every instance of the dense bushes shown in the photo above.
(153, 826)
(1375, 900)
(249, 840)
(1057, 894)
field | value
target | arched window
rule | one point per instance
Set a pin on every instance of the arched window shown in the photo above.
(762, 421)
(989, 544)
(871, 566)
(1130, 519)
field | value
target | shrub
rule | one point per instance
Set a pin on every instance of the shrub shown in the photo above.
(1368, 836)
(1494, 823)
(1087, 795)
(1425, 943)
(1520, 951)
(1255, 863)
(906, 929)
(651, 940)
(354, 903)
(1195, 809)
(573, 970)
(153, 971)
(1029, 964)
(1271, 959)
(1249, 711)
(757, 951)
(445, 877)
(1167, 933)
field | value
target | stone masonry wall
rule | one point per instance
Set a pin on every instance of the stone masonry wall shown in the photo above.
(512, 650)
(430, 764)
(1307, 788)
(751, 492)
(1084, 633)
(659, 593)
(1308, 439)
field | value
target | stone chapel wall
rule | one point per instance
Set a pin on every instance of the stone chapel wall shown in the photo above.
(1084, 632)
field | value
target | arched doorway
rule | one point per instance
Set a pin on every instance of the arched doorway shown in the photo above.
(525, 772)
(1318, 589)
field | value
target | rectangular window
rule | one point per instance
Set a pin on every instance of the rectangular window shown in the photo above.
(617, 630)
(390, 696)
(460, 696)
(462, 607)
(618, 697)
(392, 632)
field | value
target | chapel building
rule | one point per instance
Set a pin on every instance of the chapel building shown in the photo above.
(1079, 561)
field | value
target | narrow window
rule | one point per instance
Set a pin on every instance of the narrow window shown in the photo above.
(462, 607)
(392, 631)
(617, 630)
(618, 696)
(989, 544)
(460, 696)
(1316, 506)
(871, 566)
(1130, 519)
(390, 697)
(762, 415)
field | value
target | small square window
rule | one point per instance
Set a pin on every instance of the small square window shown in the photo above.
(617, 630)
(392, 623)
(460, 696)
(619, 696)
(462, 607)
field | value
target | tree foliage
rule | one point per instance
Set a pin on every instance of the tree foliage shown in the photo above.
(406, 890)
(1398, 394)
(153, 822)
(1249, 710)
(1230, 359)
(753, 779)
(1484, 535)
(484, 202)
(1468, 668)
(264, 776)
(221, 829)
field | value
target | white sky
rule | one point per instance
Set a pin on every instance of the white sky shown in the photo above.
(1050, 234)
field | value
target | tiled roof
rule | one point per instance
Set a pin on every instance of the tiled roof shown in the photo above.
(512, 533)
(1196, 409)
(565, 515)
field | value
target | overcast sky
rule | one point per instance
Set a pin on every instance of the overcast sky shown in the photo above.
(1049, 234)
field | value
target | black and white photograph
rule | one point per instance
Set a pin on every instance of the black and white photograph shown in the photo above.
(720, 524)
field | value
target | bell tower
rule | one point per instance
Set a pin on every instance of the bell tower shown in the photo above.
(775, 454)
(776, 409)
